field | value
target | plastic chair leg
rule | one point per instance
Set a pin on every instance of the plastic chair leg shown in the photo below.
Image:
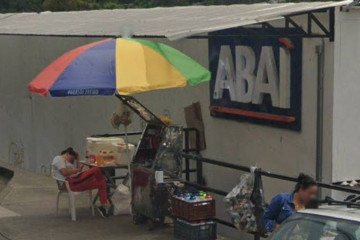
(91, 203)
(57, 202)
(72, 207)
(69, 203)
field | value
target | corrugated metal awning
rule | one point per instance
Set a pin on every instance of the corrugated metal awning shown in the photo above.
(173, 23)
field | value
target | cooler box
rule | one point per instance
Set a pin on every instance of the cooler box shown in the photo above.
(113, 147)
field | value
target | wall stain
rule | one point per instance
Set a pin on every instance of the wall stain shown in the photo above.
(45, 170)
(16, 154)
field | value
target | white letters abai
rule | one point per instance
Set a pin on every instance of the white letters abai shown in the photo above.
(246, 86)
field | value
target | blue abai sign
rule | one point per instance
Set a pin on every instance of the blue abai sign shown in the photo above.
(256, 79)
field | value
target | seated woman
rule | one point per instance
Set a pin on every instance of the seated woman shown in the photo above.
(284, 205)
(63, 168)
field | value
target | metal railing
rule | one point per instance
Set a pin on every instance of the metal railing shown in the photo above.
(201, 160)
(192, 153)
(188, 148)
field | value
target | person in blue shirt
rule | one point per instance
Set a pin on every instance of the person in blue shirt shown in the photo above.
(284, 205)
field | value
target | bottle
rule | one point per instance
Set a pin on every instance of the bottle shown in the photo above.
(159, 175)
(99, 160)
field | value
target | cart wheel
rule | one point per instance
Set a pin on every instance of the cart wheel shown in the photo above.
(150, 224)
(161, 220)
(138, 219)
(173, 220)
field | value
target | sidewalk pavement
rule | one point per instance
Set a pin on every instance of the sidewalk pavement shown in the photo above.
(27, 211)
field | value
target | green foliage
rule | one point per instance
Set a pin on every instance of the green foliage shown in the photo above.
(77, 5)
(20, 5)
(162, 3)
(70, 5)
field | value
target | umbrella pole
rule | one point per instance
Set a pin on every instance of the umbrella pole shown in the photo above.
(129, 159)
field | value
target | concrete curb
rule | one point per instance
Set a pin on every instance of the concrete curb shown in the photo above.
(6, 175)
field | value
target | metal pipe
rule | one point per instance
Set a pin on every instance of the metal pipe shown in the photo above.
(215, 162)
(204, 188)
(164, 37)
(199, 165)
(187, 161)
(223, 222)
(129, 157)
(116, 134)
(262, 172)
(320, 112)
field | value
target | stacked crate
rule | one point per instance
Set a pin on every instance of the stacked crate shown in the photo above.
(193, 219)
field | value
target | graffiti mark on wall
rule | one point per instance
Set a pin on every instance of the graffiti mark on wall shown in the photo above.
(45, 170)
(16, 154)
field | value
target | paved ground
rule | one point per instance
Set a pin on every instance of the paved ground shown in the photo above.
(27, 211)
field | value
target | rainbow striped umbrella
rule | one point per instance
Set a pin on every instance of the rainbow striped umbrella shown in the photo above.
(118, 66)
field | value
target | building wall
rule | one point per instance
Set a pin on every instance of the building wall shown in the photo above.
(346, 130)
(41, 127)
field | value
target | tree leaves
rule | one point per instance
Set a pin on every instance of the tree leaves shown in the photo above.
(77, 5)
(69, 5)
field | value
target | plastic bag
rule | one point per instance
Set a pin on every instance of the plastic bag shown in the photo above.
(169, 157)
(240, 203)
(121, 200)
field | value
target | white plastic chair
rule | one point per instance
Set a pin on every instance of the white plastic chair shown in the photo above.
(71, 195)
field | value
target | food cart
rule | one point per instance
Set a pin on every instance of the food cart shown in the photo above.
(89, 70)
(156, 166)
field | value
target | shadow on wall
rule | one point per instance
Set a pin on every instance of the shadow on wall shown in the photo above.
(5, 176)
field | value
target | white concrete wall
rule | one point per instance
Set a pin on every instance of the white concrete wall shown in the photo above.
(43, 126)
(346, 129)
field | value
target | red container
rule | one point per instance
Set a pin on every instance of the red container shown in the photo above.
(193, 211)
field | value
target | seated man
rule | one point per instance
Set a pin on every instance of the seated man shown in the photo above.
(63, 168)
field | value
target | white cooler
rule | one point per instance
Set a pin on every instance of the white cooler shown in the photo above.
(114, 146)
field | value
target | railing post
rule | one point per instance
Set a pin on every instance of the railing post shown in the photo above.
(199, 172)
(257, 199)
(186, 150)
(199, 164)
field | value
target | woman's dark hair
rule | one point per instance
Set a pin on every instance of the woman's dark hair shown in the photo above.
(70, 151)
(304, 182)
